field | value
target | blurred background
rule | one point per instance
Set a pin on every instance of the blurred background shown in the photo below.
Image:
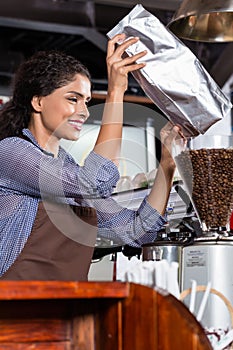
(79, 28)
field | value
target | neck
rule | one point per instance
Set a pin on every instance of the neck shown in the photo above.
(48, 142)
(52, 146)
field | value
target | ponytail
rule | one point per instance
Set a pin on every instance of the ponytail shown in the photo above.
(12, 120)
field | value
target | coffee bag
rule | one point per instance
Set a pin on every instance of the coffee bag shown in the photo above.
(173, 78)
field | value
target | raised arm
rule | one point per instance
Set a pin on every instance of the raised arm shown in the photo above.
(160, 191)
(109, 140)
(140, 226)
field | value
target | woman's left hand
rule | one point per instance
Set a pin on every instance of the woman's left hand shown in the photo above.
(168, 134)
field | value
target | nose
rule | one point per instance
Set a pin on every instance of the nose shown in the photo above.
(82, 109)
(86, 113)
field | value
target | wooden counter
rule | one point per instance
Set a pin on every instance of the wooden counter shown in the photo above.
(53, 315)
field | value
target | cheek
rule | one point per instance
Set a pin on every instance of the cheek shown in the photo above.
(68, 108)
(59, 110)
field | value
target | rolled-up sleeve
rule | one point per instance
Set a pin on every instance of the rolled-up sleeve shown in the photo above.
(35, 173)
(98, 176)
(152, 221)
(128, 226)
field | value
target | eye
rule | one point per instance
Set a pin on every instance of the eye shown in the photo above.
(73, 99)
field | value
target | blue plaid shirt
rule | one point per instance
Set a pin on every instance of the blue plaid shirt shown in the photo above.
(29, 174)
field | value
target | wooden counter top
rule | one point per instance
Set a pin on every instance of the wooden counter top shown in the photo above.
(26, 290)
(57, 315)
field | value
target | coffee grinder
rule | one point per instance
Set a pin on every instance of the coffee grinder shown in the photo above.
(205, 165)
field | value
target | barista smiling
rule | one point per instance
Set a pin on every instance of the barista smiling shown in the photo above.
(61, 114)
(50, 96)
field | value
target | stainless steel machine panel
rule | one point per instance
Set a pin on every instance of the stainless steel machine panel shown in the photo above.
(210, 262)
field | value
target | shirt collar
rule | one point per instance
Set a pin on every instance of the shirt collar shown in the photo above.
(29, 135)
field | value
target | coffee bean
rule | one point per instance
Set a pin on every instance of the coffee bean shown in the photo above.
(208, 176)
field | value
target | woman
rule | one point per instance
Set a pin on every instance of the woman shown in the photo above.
(50, 206)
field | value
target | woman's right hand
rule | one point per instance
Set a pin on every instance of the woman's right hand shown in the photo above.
(108, 143)
(119, 66)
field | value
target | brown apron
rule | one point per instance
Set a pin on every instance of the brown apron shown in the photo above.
(60, 246)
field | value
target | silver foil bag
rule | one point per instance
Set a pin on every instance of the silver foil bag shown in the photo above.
(173, 78)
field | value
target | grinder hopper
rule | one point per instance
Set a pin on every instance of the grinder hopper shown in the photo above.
(205, 165)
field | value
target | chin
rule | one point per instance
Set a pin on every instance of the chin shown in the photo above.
(71, 137)
(75, 138)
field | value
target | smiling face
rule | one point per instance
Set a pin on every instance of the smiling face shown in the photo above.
(62, 113)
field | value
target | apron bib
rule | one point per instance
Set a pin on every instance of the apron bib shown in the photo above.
(60, 246)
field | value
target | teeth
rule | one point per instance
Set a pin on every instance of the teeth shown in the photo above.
(75, 123)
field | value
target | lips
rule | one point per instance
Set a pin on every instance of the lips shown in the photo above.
(76, 124)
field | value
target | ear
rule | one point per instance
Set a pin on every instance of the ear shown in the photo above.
(36, 103)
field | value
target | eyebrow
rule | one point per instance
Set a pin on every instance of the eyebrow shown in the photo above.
(79, 94)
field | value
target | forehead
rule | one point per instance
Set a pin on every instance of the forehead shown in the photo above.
(80, 81)
(80, 84)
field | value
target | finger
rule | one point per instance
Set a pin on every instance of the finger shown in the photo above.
(169, 132)
(122, 47)
(112, 43)
(134, 67)
(131, 59)
(173, 134)
(165, 131)
(127, 63)
(171, 128)
(179, 130)
(168, 126)
(175, 131)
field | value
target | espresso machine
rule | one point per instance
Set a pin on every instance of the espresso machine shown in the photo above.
(181, 228)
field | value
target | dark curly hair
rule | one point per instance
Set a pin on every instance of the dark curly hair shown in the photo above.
(43, 73)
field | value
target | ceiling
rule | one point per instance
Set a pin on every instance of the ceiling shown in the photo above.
(79, 28)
